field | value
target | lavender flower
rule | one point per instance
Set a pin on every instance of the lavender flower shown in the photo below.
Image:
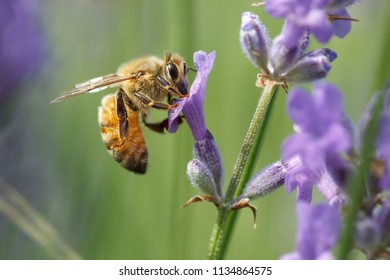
(318, 232)
(372, 232)
(383, 220)
(193, 106)
(282, 61)
(22, 44)
(367, 234)
(319, 140)
(318, 17)
(322, 135)
(340, 25)
(301, 180)
(205, 170)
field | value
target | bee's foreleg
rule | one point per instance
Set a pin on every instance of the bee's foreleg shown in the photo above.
(151, 103)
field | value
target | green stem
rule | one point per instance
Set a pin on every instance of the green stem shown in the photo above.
(356, 186)
(357, 183)
(17, 209)
(224, 224)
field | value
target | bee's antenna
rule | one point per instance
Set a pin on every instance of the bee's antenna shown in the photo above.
(192, 69)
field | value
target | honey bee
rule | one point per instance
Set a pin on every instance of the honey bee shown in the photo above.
(142, 83)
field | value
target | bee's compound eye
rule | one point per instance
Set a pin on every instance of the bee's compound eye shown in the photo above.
(172, 71)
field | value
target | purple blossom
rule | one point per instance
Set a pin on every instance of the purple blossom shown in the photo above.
(205, 170)
(341, 27)
(302, 181)
(318, 231)
(22, 43)
(313, 16)
(382, 218)
(193, 106)
(282, 61)
(320, 132)
(319, 141)
(367, 234)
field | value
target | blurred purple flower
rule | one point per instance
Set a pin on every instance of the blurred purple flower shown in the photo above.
(313, 16)
(367, 235)
(320, 132)
(318, 232)
(22, 43)
(320, 139)
(382, 218)
(302, 181)
(341, 27)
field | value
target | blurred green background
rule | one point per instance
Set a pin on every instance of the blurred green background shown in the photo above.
(53, 153)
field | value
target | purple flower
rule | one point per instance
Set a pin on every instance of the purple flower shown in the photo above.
(320, 132)
(284, 60)
(340, 27)
(302, 181)
(320, 139)
(22, 43)
(367, 235)
(318, 231)
(205, 170)
(193, 106)
(382, 218)
(313, 16)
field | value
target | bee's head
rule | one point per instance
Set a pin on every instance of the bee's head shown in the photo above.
(176, 72)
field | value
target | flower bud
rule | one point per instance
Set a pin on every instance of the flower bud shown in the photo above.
(284, 54)
(309, 69)
(383, 220)
(254, 40)
(201, 177)
(268, 179)
(330, 54)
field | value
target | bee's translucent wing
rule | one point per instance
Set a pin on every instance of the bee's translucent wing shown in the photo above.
(95, 85)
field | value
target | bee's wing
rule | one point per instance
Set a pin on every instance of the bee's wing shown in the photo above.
(95, 85)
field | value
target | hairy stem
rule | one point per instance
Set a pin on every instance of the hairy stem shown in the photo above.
(224, 224)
